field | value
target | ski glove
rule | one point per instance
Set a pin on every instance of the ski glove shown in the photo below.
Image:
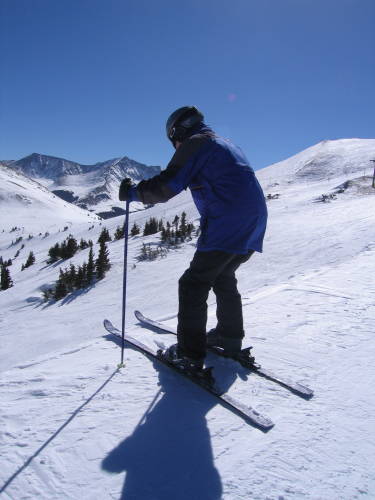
(127, 190)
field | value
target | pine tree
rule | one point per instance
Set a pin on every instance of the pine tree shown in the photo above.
(119, 233)
(79, 278)
(183, 225)
(84, 275)
(5, 279)
(104, 236)
(90, 267)
(30, 261)
(83, 244)
(175, 222)
(190, 229)
(70, 278)
(60, 290)
(54, 254)
(102, 263)
(153, 225)
(9, 263)
(69, 247)
(135, 230)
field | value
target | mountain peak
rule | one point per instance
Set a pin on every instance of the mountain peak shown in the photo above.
(94, 187)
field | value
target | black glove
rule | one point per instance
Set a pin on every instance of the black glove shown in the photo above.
(125, 187)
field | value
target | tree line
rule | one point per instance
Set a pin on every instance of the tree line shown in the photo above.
(82, 276)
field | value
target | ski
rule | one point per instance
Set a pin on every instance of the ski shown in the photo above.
(243, 358)
(204, 380)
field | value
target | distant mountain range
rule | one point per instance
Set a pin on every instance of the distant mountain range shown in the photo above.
(93, 187)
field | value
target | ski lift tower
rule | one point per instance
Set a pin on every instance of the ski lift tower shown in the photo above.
(373, 177)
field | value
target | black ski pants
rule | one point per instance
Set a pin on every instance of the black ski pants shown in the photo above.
(208, 270)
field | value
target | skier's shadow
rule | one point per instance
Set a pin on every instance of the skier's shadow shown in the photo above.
(169, 454)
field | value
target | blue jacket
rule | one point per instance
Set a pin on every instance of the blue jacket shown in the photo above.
(224, 188)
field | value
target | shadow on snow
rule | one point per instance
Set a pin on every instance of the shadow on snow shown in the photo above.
(169, 455)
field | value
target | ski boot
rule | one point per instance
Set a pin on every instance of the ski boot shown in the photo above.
(193, 368)
(183, 362)
(230, 346)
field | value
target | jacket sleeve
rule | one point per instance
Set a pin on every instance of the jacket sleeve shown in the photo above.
(175, 177)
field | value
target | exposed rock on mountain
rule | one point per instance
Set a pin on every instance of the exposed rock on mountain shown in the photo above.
(94, 187)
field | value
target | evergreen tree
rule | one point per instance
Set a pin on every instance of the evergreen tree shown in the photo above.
(102, 263)
(1, 261)
(83, 244)
(119, 233)
(104, 236)
(153, 225)
(60, 290)
(84, 275)
(79, 278)
(9, 263)
(90, 267)
(160, 225)
(135, 230)
(5, 279)
(175, 222)
(69, 247)
(54, 254)
(70, 278)
(189, 229)
(30, 261)
(183, 225)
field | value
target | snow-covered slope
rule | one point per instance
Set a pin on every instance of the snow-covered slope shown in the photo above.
(93, 187)
(26, 203)
(72, 426)
(326, 160)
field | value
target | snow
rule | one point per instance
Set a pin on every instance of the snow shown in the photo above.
(73, 425)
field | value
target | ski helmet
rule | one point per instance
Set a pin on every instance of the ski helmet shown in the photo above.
(180, 121)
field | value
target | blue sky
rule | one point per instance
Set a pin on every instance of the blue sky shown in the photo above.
(90, 80)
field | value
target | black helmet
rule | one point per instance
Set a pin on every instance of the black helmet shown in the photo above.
(180, 121)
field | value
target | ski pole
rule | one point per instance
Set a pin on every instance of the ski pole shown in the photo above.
(124, 285)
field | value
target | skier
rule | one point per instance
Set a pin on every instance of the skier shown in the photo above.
(233, 223)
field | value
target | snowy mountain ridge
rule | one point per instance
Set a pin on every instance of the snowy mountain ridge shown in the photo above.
(325, 160)
(93, 187)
